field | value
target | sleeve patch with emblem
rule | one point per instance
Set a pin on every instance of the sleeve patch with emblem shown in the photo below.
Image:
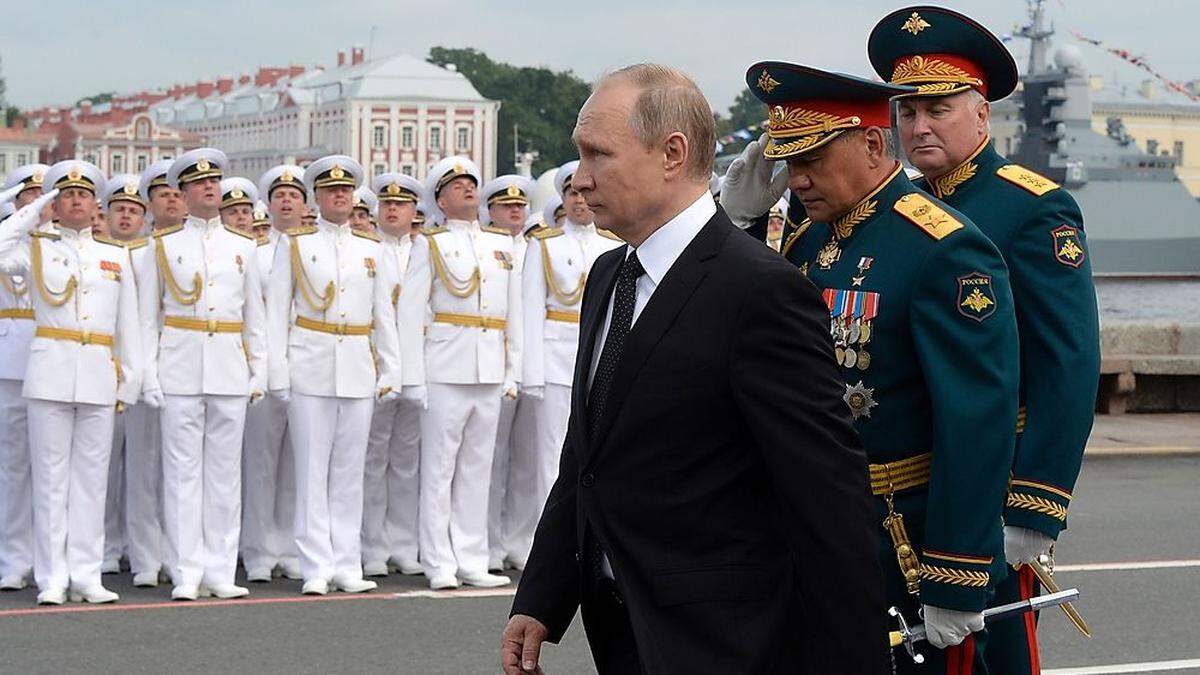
(1068, 250)
(976, 299)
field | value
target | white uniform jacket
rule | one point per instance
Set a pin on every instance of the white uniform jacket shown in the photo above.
(203, 320)
(331, 325)
(466, 279)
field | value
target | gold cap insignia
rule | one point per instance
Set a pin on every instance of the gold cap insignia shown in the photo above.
(36, 178)
(203, 165)
(131, 188)
(287, 176)
(393, 189)
(915, 24)
(237, 194)
(513, 190)
(337, 172)
(74, 174)
(766, 82)
(459, 168)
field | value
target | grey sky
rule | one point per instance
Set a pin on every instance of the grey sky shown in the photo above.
(56, 52)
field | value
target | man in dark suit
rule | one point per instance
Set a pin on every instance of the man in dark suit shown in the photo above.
(712, 512)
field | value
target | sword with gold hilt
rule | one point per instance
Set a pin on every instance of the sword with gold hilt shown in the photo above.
(1043, 569)
(908, 637)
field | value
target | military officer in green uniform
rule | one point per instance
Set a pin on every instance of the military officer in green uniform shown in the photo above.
(958, 67)
(921, 315)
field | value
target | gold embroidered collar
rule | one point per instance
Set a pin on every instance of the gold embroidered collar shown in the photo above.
(844, 225)
(946, 184)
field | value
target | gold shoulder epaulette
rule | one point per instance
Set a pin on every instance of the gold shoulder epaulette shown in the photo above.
(160, 233)
(301, 231)
(365, 235)
(238, 232)
(430, 231)
(927, 215)
(609, 235)
(800, 229)
(1030, 180)
(136, 243)
(547, 233)
(108, 240)
(52, 236)
(263, 240)
(496, 230)
(534, 230)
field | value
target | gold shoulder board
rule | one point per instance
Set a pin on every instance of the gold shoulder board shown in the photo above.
(52, 236)
(800, 229)
(238, 232)
(263, 240)
(159, 234)
(927, 215)
(1030, 180)
(547, 233)
(496, 230)
(609, 235)
(365, 235)
(430, 231)
(301, 231)
(136, 243)
(108, 240)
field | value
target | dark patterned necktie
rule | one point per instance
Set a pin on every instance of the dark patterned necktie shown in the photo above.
(624, 299)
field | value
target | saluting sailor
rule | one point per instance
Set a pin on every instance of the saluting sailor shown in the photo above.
(203, 327)
(24, 184)
(505, 205)
(391, 479)
(86, 357)
(333, 353)
(269, 469)
(958, 67)
(468, 356)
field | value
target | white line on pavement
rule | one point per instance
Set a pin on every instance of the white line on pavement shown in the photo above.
(1146, 667)
(1125, 566)
(463, 593)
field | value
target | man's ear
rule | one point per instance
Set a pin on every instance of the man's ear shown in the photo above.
(675, 153)
(984, 115)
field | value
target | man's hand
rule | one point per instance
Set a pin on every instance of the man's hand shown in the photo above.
(387, 394)
(521, 645)
(1023, 545)
(153, 398)
(948, 627)
(28, 217)
(511, 389)
(750, 190)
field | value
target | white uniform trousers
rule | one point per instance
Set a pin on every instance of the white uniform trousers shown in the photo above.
(533, 470)
(515, 436)
(269, 488)
(69, 445)
(329, 436)
(202, 485)
(390, 484)
(114, 500)
(458, 438)
(16, 486)
(143, 489)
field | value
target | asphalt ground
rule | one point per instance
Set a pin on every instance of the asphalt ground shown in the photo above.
(1136, 510)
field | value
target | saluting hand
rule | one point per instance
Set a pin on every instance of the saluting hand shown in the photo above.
(521, 645)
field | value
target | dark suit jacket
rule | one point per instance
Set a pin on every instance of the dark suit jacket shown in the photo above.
(725, 483)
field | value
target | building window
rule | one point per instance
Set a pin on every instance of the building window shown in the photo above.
(379, 137)
(406, 138)
(408, 169)
(435, 139)
(1151, 146)
(142, 162)
(380, 169)
(142, 129)
(22, 159)
(462, 141)
(90, 158)
(118, 163)
(1179, 152)
(166, 155)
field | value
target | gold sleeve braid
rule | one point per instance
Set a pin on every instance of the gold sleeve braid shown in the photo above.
(1049, 507)
(566, 298)
(955, 577)
(52, 298)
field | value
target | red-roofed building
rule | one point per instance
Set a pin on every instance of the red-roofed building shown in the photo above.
(20, 146)
(129, 145)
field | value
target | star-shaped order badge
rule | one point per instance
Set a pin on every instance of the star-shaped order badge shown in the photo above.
(860, 398)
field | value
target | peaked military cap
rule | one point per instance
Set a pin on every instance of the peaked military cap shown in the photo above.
(563, 177)
(333, 170)
(288, 175)
(123, 187)
(508, 189)
(154, 176)
(236, 191)
(941, 52)
(397, 187)
(366, 200)
(27, 176)
(74, 173)
(809, 107)
(447, 170)
(195, 165)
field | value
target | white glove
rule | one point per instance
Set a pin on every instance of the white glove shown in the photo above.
(283, 395)
(415, 394)
(511, 389)
(28, 217)
(153, 398)
(750, 189)
(389, 395)
(536, 392)
(1023, 545)
(948, 627)
(11, 193)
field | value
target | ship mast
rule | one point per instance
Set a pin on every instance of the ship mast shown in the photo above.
(1039, 37)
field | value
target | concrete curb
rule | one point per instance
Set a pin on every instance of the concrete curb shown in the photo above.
(1142, 451)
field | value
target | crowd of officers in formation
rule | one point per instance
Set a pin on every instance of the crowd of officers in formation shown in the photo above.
(339, 381)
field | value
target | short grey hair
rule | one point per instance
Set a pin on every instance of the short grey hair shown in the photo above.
(889, 139)
(671, 102)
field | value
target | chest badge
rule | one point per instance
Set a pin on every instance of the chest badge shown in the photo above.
(240, 265)
(864, 264)
(111, 270)
(504, 258)
(850, 319)
(976, 299)
(830, 253)
(860, 398)
(1068, 249)
(369, 263)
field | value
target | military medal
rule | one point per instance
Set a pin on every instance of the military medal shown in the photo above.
(864, 264)
(839, 354)
(850, 315)
(860, 399)
(830, 253)
(855, 331)
(864, 359)
(850, 359)
(864, 334)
